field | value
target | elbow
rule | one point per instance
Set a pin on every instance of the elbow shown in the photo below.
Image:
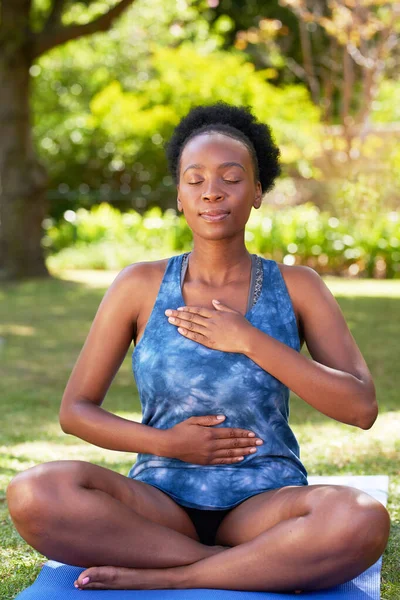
(368, 416)
(73, 415)
(65, 421)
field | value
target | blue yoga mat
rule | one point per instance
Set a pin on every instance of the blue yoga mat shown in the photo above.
(56, 580)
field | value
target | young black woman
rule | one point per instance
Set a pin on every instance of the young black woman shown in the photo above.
(210, 503)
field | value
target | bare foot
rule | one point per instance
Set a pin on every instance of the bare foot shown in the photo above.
(122, 578)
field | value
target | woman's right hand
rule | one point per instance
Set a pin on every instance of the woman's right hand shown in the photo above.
(196, 441)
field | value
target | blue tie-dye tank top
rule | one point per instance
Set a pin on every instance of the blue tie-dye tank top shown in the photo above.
(178, 378)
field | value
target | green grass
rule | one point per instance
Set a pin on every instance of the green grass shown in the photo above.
(43, 325)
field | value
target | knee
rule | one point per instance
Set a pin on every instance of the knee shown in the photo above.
(371, 526)
(34, 495)
(29, 496)
(357, 524)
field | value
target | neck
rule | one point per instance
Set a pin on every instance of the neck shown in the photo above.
(219, 262)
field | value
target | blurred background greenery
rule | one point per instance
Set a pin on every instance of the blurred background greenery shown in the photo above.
(90, 92)
(323, 75)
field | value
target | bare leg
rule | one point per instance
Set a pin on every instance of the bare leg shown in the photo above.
(85, 515)
(335, 535)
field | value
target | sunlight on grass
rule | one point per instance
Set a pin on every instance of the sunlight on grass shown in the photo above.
(90, 278)
(371, 288)
(350, 450)
(22, 330)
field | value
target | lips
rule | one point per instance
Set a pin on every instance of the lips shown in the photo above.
(214, 215)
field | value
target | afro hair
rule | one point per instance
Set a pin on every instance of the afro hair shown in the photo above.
(234, 121)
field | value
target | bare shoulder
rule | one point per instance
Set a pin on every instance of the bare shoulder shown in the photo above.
(304, 283)
(139, 280)
(297, 279)
(141, 273)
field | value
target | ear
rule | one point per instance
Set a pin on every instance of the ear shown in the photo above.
(179, 203)
(258, 198)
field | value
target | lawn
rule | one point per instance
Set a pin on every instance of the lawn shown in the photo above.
(43, 325)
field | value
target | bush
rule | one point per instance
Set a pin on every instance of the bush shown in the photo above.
(104, 238)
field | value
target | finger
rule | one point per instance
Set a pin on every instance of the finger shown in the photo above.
(189, 325)
(235, 444)
(219, 306)
(196, 337)
(199, 310)
(232, 432)
(183, 318)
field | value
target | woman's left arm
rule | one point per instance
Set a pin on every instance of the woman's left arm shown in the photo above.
(337, 381)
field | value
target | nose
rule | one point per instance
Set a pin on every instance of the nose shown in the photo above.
(212, 194)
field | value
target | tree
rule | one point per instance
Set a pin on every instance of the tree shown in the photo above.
(27, 32)
(362, 35)
(349, 48)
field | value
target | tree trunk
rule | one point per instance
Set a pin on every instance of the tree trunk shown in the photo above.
(23, 179)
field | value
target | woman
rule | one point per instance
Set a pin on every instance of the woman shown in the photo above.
(210, 503)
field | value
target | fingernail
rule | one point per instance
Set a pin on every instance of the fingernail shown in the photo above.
(220, 417)
(252, 435)
(168, 312)
(85, 580)
(216, 302)
(259, 442)
(181, 308)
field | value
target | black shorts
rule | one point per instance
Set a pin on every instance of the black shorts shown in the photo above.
(206, 522)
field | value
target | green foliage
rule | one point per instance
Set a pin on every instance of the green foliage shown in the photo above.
(103, 106)
(386, 106)
(105, 238)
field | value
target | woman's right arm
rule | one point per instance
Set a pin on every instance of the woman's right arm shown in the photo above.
(105, 348)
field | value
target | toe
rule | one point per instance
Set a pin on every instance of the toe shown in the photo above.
(87, 576)
(96, 586)
(97, 578)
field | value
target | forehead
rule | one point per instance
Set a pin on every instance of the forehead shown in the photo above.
(215, 148)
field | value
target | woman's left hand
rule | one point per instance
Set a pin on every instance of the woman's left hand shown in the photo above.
(222, 329)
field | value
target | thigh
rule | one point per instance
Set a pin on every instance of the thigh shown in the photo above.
(262, 511)
(57, 483)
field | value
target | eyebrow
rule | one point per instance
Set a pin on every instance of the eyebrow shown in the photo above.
(223, 165)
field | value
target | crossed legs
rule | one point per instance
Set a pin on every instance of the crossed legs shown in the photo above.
(85, 515)
(134, 536)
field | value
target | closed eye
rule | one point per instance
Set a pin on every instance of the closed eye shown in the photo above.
(226, 181)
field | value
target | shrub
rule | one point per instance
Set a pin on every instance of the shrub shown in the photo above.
(104, 238)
